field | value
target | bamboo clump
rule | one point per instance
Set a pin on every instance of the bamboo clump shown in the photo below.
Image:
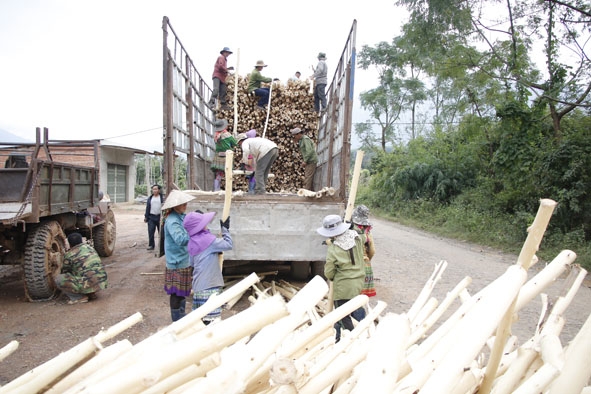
(291, 106)
(284, 342)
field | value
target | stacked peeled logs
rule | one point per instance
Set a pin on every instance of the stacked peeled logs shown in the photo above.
(292, 105)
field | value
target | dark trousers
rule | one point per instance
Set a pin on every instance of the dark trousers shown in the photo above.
(153, 225)
(346, 322)
(262, 171)
(319, 97)
(263, 95)
(220, 90)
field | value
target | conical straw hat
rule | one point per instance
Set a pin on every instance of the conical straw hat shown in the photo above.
(175, 198)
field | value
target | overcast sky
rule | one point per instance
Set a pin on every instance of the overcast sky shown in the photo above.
(93, 69)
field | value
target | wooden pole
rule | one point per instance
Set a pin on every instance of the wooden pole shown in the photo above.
(354, 183)
(8, 349)
(235, 126)
(268, 109)
(228, 195)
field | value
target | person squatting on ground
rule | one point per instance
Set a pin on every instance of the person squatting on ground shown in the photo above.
(220, 72)
(254, 85)
(309, 156)
(264, 153)
(320, 80)
(179, 272)
(344, 266)
(152, 215)
(82, 273)
(362, 225)
(223, 141)
(204, 251)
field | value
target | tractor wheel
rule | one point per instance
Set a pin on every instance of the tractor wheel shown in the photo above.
(44, 251)
(105, 235)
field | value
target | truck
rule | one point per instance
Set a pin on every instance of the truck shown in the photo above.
(279, 227)
(49, 190)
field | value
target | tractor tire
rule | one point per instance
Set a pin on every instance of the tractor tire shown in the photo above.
(105, 235)
(44, 251)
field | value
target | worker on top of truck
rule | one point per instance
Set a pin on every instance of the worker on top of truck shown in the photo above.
(254, 85)
(264, 153)
(308, 151)
(320, 81)
(220, 72)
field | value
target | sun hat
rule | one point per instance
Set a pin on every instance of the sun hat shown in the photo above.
(295, 131)
(226, 49)
(260, 63)
(332, 225)
(361, 216)
(194, 222)
(220, 124)
(251, 133)
(176, 198)
(240, 137)
(321, 55)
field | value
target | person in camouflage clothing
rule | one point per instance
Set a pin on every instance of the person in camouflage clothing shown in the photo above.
(82, 273)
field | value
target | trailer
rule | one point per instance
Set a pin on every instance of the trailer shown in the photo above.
(43, 198)
(277, 227)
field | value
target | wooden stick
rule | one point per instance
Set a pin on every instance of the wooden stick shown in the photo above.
(235, 125)
(354, 183)
(228, 196)
(268, 109)
(427, 290)
(536, 232)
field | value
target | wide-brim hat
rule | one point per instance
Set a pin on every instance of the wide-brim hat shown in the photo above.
(361, 216)
(220, 124)
(295, 131)
(321, 55)
(226, 49)
(260, 63)
(332, 225)
(241, 137)
(176, 198)
(194, 222)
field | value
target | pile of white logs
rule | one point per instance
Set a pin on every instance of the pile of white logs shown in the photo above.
(284, 343)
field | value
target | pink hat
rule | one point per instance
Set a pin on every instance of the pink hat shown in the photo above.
(194, 222)
(251, 133)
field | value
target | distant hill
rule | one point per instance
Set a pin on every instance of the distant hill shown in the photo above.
(6, 136)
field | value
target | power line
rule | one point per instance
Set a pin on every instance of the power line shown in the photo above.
(134, 133)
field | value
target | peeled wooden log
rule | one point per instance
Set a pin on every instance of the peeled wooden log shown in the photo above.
(427, 289)
(103, 357)
(159, 363)
(384, 358)
(8, 349)
(43, 376)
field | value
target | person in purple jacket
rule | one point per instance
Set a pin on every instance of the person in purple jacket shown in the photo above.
(204, 249)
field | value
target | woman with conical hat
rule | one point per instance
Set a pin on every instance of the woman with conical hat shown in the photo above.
(179, 273)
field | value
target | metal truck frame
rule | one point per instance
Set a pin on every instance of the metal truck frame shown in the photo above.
(273, 227)
(42, 200)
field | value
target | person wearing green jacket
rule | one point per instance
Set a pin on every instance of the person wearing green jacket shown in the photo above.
(308, 151)
(254, 84)
(344, 266)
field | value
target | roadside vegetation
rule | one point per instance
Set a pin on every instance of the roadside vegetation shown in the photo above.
(475, 120)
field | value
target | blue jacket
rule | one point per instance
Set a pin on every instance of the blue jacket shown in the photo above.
(176, 239)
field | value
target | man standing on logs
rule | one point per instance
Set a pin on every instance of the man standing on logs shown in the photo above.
(308, 151)
(264, 153)
(320, 81)
(220, 72)
(254, 85)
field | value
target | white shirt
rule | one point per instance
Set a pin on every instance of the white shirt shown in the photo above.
(155, 205)
(257, 147)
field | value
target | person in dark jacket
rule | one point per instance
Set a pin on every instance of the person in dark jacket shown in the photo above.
(152, 215)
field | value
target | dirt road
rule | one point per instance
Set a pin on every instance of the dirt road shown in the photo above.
(404, 261)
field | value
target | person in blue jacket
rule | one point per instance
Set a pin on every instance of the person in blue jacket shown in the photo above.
(179, 273)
